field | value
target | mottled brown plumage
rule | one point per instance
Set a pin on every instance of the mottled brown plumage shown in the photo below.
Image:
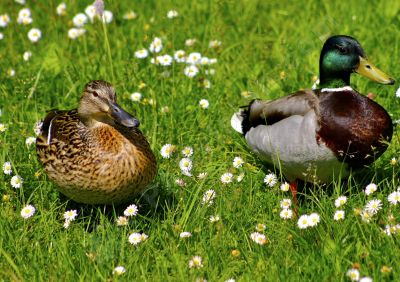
(96, 154)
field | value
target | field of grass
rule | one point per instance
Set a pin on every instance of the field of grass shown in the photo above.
(268, 49)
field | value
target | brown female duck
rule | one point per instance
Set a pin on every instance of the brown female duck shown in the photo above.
(96, 154)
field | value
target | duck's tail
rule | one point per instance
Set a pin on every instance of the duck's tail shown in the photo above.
(237, 121)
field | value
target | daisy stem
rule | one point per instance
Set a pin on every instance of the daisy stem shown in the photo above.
(107, 46)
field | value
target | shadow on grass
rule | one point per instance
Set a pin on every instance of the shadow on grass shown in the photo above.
(154, 204)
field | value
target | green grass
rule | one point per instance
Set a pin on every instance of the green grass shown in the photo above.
(260, 39)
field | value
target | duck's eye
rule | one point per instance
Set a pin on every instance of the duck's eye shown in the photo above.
(95, 94)
(342, 49)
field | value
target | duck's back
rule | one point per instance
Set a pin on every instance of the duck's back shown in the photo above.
(353, 126)
(104, 164)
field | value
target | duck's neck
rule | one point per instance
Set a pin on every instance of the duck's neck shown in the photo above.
(333, 80)
(332, 71)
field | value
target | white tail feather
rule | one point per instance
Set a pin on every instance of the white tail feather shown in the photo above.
(236, 122)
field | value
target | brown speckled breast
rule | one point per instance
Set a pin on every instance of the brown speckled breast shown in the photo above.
(354, 127)
(100, 165)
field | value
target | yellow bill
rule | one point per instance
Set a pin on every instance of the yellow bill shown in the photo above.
(367, 69)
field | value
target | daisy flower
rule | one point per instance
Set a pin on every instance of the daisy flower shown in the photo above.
(61, 9)
(24, 16)
(156, 45)
(119, 270)
(204, 104)
(7, 168)
(196, 262)
(397, 91)
(131, 210)
(4, 20)
(209, 197)
(30, 140)
(90, 11)
(373, 206)
(365, 279)
(11, 72)
(393, 198)
(285, 203)
(79, 20)
(180, 182)
(240, 177)
(135, 238)
(227, 178)
(303, 222)
(122, 221)
(193, 58)
(286, 213)
(107, 17)
(285, 187)
(340, 201)
(246, 94)
(339, 215)
(313, 219)
(74, 33)
(165, 60)
(212, 61)
(214, 44)
(131, 15)
(206, 83)
(214, 218)
(185, 164)
(185, 234)
(28, 211)
(393, 161)
(190, 42)
(167, 150)
(353, 274)
(3, 127)
(371, 188)
(16, 181)
(180, 56)
(141, 54)
(136, 97)
(34, 35)
(191, 71)
(27, 55)
(210, 71)
(238, 162)
(172, 14)
(261, 227)
(259, 238)
(70, 215)
(270, 179)
(204, 61)
(366, 216)
(187, 151)
(202, 175)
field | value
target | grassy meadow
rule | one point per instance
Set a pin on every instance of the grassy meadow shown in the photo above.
(263, 49)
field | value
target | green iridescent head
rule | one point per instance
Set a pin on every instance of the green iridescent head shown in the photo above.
(342, 55)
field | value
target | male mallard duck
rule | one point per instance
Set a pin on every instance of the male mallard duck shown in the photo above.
(96, 154)
(324, 133)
